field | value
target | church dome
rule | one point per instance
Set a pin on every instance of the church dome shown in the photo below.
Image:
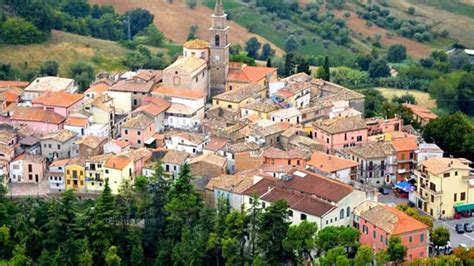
(196, 44)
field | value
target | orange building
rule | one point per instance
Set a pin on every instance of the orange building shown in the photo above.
(406, 149)
(293, 157)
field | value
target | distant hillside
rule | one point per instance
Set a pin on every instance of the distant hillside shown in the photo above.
(66, 48)
(175, 19)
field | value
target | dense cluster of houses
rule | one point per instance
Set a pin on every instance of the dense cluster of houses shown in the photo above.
(245, 133)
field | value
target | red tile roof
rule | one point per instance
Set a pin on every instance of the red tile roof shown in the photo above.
(13, 84)
(153, 106)
(421, 111)
(37, 114)
(275, 153)
(250, 73)
(392, 220)
(329, 163)
(98, 88)
(182, 93)
(118, 162)
(58, 99)
(405, 144)
(77, 121)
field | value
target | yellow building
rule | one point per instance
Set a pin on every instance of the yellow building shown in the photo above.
(75, 173)
(236, 99)
(242, 74)
(444, 186)
(95, 180)
(118, 169)
(262, 110)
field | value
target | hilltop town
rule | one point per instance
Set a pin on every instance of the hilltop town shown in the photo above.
(243, 134)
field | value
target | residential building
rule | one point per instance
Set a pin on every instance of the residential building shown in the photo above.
(242, 74)
(58, 145)
(118, 169)
(154, 108)
(294, 157)
(77, 123)
(133, 89)
(444, 187)
(140, 158)
(56, 175)
(242, 156)
(95, 172)
(261, 109)
(97, 88)
(420, 114)
(89, 146)
(377, 163)
(236, 99)
(293, 94)
(48, 84)
(75, 173)
(310, 197)
(378, 223)
(291, 115)
(428, 150)
(206, 166)
(340, 133)
(27, 168)
(325, 93)
(334, 167)
(103, 117)
(192, 143)
(172, 162)
(116, 146)
(37, 119)
(267, 133)
(407, 150)
(59, 102)
(138, 130)
(379, 125)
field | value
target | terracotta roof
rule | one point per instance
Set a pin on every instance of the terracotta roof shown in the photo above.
(341, 124)
(100, 158)
(216, 144)
(43, 84)
(283, 93)
(242, 147)
(421, 111)
(264, 107)
(13, 84)
(150, 74)
(209, 158)
(275, 153)
(196, 44)
(188, 64)
(250, 73)
(231, 183)
(6, 136)
(180, 93)
(178, 108)
(37, 114)
(138, 122)
(121, 143)
(58, 99)
(98, 88)
(405, 144)
(439, 165)
(131, 85)
(6, 149)
(80, 161)
(275, 128)
(373, 150)
(117, 162)
(175, 157)
(329, 163)
(62, 135)
(155, 106)
(240, 94)
(30, 158)
(195, 138)
(77, 121)
(91, 141)
(391, 220)
(62, 162)
(138, 154)
(286, 113)
(10, 96)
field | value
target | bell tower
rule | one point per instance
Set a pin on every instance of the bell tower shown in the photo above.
(219, 50)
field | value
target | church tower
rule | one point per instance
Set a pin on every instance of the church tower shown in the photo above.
(219, 50)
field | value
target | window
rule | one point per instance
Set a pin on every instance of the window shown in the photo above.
(30, 168)
(345, 136)
(289, 162)
(290, 213)
(359, 138)
(250, 200)
(217, 40)
(446, 175)
(422, 238)
(303, 216)
(381, 238)
(263, 205)
(229, 106)
(126, 132)
(455, 197)
(139, 133)
(106, 171)
(410, 239)
(59, 147)
(139, 141)
(432, 198)
(463, 195)
(375, 234)
(341, 214)
(348, 211)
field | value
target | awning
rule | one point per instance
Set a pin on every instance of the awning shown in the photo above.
(464, 207)
(150, 141)
(405, 186)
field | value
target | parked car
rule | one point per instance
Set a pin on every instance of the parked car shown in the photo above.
(468, 227)
(384, 191)
(459, 228)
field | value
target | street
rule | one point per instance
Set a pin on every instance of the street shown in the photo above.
(456, 239)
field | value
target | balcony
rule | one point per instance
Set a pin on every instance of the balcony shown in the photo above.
(432, 192)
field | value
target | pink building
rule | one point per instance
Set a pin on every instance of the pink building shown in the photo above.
(377, 223)
(38, 119)
(59, 102)
(138, 130)
(294, 157)
(379, 125)
(27, 168)
(341, 132)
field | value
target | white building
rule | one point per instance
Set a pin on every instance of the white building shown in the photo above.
(291, 115)
(428, 150)
(56, 175)
(116, 146)
(48, 84)
(192, 143)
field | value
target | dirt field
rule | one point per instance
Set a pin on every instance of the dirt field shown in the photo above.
(415, 49)
(175, 19)
(422, 98)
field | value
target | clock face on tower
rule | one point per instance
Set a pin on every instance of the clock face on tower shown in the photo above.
(217, 58)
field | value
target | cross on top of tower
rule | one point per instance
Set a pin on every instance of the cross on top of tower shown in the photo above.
(219, 8)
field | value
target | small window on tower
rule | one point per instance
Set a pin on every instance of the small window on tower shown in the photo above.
(217, 40)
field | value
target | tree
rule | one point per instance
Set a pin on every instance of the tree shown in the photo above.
(411, 10)
(291, 44)
(331, 236)
(378, 69)
(445, 90)
(49, 68)
(153, 36)
(374, 101)
(301, 240)
(234, 238)
(19, 257)
(193, 32)
(19, 31)
(82, 73)
(334, 257)
(303, 66)
(138, 19)
(252, 46)
(396, 53)
(272, 230)
(381, 258)
(191, 3)
(364, 257)
(111, 257)
(267, 52)
(407, 98)
(439, 236)
(363, 61)
(396, 250)
(466, 94)
(451, 133)
(269, 62)
(289, 65)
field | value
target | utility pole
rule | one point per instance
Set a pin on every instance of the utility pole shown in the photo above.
(129, 32)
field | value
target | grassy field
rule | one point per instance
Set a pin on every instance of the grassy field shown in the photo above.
(266, 28)
(422, 98)
(465, 8)
(66, 48)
